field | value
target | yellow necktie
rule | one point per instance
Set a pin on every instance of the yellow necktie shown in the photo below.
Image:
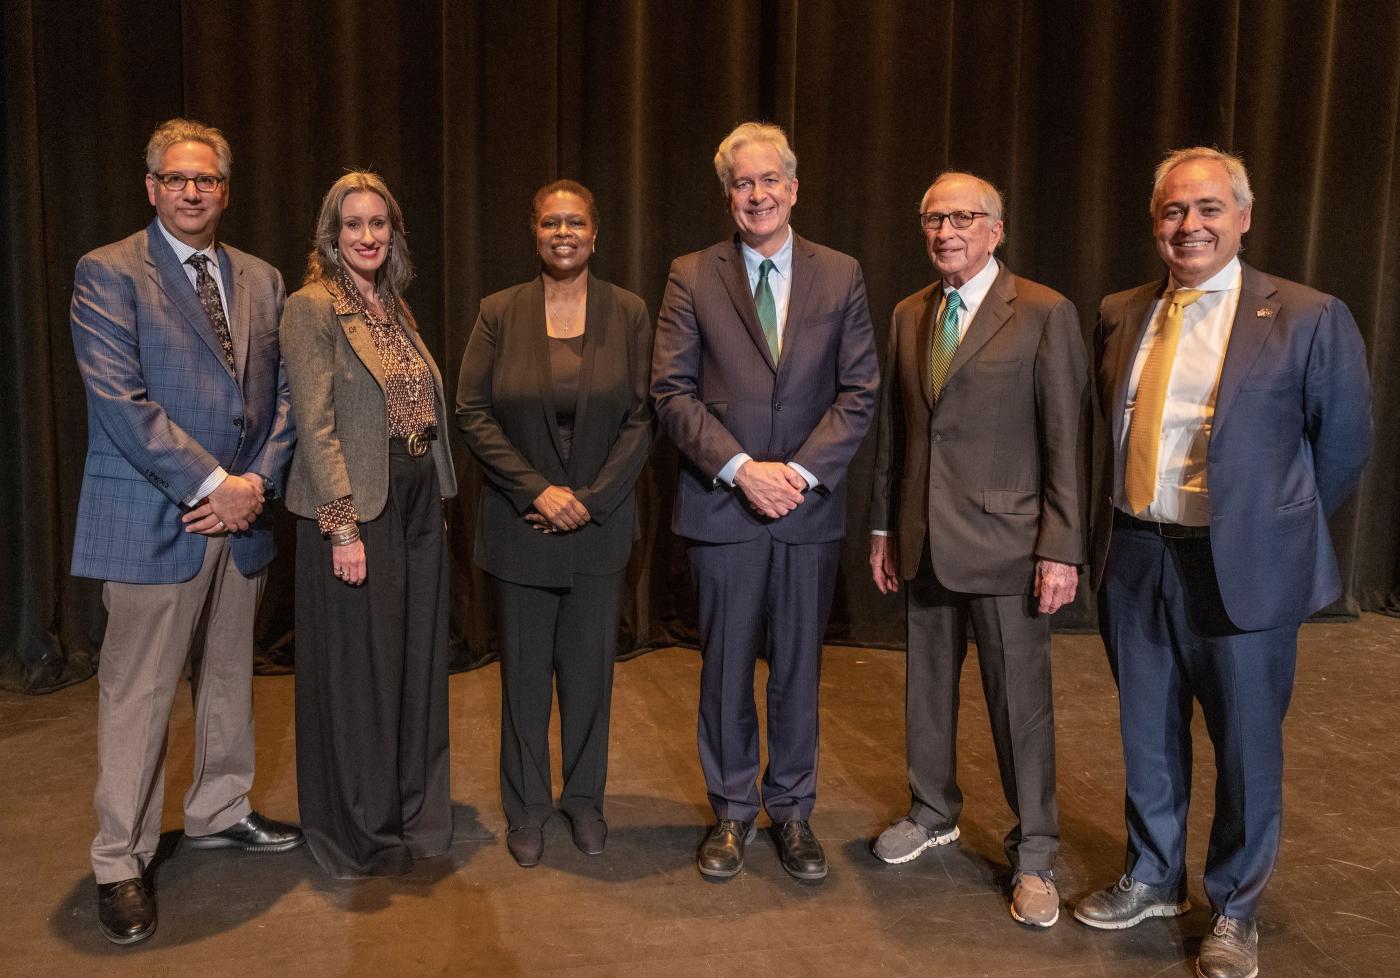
(1145, 432)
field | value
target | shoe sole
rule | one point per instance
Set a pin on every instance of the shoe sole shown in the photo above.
(197, 842)
(129, 939)
(1038, 924)
(1202, 974)
(724, 874)
(1156, 910)
(943, 839)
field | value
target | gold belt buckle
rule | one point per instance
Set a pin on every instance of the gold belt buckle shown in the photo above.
(418, 444)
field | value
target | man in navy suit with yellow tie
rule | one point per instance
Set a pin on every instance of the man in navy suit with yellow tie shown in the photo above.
(1235, 417)
(764, 375)
(189, 431)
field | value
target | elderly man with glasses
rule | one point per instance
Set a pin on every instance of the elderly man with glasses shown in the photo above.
(978, 505)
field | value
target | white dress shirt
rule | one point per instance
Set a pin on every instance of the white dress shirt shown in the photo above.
(780, 281)
(182, 254)
(1187, 412)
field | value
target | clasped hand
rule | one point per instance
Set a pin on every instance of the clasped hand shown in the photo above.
(232, 507)
(558, 510)
(772, 488)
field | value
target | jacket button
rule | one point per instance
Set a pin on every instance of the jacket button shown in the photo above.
(937, 437)
(778, 406)
(238, 422)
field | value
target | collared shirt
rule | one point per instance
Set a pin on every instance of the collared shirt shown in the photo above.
(1188, 411)
(780, 281)
(972, 293)
(182, 254)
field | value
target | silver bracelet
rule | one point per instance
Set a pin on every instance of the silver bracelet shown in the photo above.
(344, 535)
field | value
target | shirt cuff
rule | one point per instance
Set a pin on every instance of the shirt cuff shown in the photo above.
(335, 514)
(211, 482)
(726, 474)
(812, 481)
(879, 533)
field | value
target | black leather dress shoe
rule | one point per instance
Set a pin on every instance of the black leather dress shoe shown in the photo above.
(590, 834)
(526, 844)
(800, 851)
(254, 833)
(721, 855)
(126, 911)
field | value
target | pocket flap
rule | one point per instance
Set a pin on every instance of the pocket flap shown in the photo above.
(1021, 502)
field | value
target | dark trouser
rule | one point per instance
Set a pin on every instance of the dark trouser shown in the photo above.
(1013, 652)
(566, 636)
(751, 592)
(371, 686)
(1169, 640)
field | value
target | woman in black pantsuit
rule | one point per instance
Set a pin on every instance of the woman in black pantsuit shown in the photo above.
(367, 478)
(553, 401)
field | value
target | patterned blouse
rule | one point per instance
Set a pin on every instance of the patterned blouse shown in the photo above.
(409, 393)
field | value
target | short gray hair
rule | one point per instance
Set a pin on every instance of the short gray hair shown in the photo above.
(992, 201)
(1234, 166)
(324, 261)
(752, 132)
(173, 131)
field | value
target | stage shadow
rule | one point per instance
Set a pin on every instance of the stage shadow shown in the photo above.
(211, 892)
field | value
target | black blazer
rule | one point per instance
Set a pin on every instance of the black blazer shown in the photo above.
(505, 409)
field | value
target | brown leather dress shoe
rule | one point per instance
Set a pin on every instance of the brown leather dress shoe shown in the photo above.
(126, 911)
(801, 853)
(253, 833)
(526, 844)
(590, 834)
(721, 855)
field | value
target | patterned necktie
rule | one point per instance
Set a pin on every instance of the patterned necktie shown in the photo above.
(213, 308)
(1145, 431)
(767, 308)
(945, 344)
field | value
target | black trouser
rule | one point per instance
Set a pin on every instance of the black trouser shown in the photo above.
(371, 686)
(566, 636)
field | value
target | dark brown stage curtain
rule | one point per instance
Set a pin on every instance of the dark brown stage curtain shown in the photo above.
(466, 107)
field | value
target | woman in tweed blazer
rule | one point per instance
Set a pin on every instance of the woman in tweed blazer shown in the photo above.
(371, 606)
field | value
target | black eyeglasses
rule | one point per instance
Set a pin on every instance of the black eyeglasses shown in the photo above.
(933, 220)
(205, 183)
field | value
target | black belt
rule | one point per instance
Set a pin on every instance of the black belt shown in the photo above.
(417, 443)
(1168, 531)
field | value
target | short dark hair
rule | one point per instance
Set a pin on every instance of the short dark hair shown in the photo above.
(563, 187)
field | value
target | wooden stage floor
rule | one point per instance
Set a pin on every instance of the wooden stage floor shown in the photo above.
(641, 909)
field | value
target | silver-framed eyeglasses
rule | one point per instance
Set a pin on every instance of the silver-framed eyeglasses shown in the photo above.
(205, 183)
(933, 220)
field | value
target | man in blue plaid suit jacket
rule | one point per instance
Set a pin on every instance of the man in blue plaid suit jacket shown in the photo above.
(189, 430)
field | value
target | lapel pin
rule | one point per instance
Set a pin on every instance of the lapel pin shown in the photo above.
(1263, 312)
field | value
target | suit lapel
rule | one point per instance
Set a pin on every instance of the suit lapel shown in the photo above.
(1136, 316)
(736, 282)
(170, 278)
(594, 336)
(799, 295)
(923, 341)
(995, 310)
(1254, 319)
(239, 310)
(537, 342)
(356, 330)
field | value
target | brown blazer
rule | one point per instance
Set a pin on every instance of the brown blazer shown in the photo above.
(994, 474)
(337, 383)
(505, 409)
